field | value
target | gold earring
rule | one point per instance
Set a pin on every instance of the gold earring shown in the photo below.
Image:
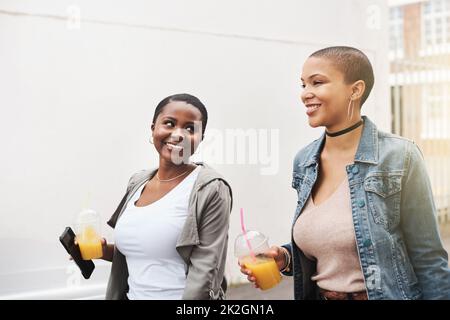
(350, 106)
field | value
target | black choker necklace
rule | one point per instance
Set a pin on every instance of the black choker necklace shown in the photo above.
(353, 127)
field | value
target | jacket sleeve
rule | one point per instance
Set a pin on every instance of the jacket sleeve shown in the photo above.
(207, 262)
(421, 232)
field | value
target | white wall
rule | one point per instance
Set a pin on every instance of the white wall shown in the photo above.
(77, 98)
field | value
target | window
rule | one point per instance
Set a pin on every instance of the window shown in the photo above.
(435, 24)
(435, 111)
(427, 7)
(428, 33)
(447, 31)
(396, 32)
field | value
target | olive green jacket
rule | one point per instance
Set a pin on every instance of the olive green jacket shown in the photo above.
(202, 243)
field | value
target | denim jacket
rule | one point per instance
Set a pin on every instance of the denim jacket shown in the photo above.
(394, 217)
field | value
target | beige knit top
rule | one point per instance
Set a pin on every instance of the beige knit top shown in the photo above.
(325, 233)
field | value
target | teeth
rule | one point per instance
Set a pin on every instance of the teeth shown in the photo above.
(174, 145)
(313, 107)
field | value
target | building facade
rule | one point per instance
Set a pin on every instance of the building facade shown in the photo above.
(419, 54)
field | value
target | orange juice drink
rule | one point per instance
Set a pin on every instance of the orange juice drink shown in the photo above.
(265, 271)
(90, 244)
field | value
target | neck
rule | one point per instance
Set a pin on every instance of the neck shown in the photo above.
(345, 142)
(169, 170)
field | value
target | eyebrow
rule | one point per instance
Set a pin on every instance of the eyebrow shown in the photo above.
(175, 120)
(312, 76)
(169, 118)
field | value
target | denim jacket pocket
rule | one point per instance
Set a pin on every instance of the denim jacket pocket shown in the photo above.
(406, 276)
(383, 194)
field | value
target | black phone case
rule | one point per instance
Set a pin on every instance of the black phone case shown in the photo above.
(67, 239)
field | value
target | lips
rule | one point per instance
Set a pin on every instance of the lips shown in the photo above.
(312, 107)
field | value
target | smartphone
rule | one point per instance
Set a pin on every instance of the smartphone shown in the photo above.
(67, 239)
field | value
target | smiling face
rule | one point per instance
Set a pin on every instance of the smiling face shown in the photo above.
(325, 95)
(177, 132)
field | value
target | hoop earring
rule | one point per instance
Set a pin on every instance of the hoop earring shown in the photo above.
(350, 113)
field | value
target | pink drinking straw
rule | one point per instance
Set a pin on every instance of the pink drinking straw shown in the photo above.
(244, 232)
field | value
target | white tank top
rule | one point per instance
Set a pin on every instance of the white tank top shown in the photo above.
(147, 237)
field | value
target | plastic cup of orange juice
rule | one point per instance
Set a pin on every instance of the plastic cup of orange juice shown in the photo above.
(88, 234)
(263, 268)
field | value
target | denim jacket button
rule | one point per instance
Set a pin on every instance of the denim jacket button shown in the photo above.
(361, 203)
(367, 243)
(355, 170)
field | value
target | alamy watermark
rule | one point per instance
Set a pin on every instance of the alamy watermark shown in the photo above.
(259, 147)
(373, 281)
(373, 21)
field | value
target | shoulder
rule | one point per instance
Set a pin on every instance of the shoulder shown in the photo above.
(398, 153)
(217, 188)
(395, 145)
(139, 176)
(386, 137)
(211, 179)
(211, 184)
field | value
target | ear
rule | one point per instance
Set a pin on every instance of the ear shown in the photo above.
(358, 89)
(152, 127)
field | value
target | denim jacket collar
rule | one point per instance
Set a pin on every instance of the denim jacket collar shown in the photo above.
(367, 149)
(368, 145)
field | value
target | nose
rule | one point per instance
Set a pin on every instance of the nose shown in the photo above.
(306, 95)
(177, 135)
